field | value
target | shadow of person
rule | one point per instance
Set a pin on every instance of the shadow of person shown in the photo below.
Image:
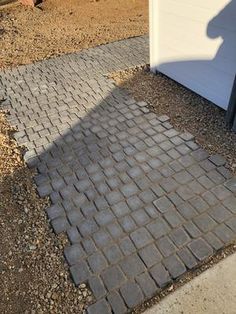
(211, 78)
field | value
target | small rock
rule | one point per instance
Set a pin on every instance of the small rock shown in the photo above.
(32, 247)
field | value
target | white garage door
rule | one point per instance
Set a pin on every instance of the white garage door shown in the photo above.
(194, 42)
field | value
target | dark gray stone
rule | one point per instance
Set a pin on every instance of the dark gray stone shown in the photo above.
(97, 262)
(160, 275)
(129, 190)
(80, 272)
(150, 255)
(97, 287)
(187, 258)
(116, 302)
(163, 204)
(101, 306)
(200, 249)
(165, 246)
(121, 209)
(224, 233)
(60, 224)
(158, 228)
(132, 265)
(127, 246)
(174, 265)
(74, 253)
(141, 237)
(113, 277)
(127, 223)
(179, 237)
(147, 284)
(132, 294)
(113, 254)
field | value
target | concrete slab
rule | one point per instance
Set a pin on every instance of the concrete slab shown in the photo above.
(214, 291)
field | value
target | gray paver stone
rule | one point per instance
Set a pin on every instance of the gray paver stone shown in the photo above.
(141, 237)
(97, 287)
(132, 294)
(174, 265)
(200, 249)
(160, 275)
(97, 262)
(101, 306)
(147, 284)
(113, 277)
(132, 265)
(80, 272)
(117, 304)
(150, 255)
(74, 253)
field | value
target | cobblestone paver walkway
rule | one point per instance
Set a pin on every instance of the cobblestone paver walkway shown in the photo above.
(141, 203)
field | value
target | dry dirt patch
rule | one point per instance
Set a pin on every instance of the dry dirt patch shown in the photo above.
(56, 27)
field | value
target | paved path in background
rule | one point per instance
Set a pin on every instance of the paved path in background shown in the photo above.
(214, 291)
(141, 202)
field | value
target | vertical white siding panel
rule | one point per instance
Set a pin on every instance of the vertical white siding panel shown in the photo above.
(194, 42)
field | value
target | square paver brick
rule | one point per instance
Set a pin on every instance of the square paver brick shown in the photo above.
(113, 278)
(127, 223)
(165, 246)
(127, 246)
(132, 265)
(174, 266)
(115, 230)
(179, 237)
(117, 303)
(102, 238)
(141, 237)
(97, 287)
(200, 249)
(158, 228)
(219, 213)
(129, 189)
(104, 217)
(147, 284)
(97, 262)
(163, 204)
(121, 209)
(224, 233)
(141, 217)
(187, 258)
(113, 254)
(131, 294)
(74, 253)
(150, 255)
(114, 197)
(80, 272)
(99, 307)
(205, 222)
(160, 275)
(173, 218)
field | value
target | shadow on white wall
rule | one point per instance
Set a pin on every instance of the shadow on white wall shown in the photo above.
(211, 78)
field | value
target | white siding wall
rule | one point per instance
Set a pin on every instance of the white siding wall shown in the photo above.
(194, 42)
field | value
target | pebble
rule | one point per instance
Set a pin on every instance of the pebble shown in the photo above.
(32, 247)
(26, 210)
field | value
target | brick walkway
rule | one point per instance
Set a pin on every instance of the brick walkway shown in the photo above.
(141, 203)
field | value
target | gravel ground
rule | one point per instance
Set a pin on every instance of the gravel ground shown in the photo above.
(34, 275)
(56, 27)
(187, 110)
